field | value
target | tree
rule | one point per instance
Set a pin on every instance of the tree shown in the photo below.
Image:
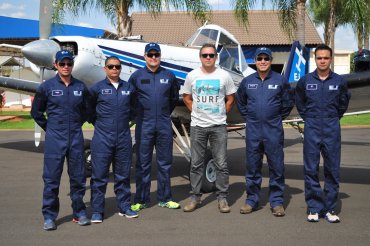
(118, 10)
(335, 13)
(291, 15)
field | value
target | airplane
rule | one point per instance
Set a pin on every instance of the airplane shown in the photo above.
(90, 55)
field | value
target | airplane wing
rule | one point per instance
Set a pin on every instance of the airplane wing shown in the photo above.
(19, 85)
(356, 80)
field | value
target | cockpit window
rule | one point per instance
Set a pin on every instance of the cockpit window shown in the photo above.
(202, 37)
(230, 56)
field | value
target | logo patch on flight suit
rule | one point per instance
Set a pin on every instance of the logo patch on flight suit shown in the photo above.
(272, 87)
(106, 91)
(333, 87)
(77, 93)
(56, 93)
(163, 81)
(252, 86)
(145, 81)
(125, 93)
(311, 87)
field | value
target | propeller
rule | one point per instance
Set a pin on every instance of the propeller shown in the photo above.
(41, 52)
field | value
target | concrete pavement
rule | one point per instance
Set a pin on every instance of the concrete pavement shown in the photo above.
(21, 194)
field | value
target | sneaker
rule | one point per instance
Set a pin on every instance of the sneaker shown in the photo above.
(97, 218)
(169, 204)
(192, 205)
(223, 206)
(49, 225)
(82, 220)
(138, 206)
(313, 217)
(278, 211)
(331, 217)
(246, 209)
(129, 213)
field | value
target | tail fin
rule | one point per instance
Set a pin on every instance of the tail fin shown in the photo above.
(297, 65)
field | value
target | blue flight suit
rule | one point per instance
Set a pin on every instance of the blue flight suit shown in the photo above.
(66, 108)
(321, 104)
(264, 104)
(111, 142)
(157, 96)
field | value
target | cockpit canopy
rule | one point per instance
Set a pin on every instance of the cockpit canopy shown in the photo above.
(230, 55)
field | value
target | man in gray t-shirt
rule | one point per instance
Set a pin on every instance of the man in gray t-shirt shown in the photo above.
(209, 95)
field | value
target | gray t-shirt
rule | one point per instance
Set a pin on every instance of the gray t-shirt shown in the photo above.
(208, 91)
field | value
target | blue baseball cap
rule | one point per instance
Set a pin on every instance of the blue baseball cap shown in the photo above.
(63, 54)
(152, 46)
(263, 50)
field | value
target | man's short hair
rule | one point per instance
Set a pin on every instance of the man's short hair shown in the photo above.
(207, 45)
(324, 47)
(111, 58)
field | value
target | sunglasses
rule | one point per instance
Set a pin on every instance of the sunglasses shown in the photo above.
(208, 55)
(62, 64)
(110, 67)
(263, 58)
(322, 58)
(151, 55)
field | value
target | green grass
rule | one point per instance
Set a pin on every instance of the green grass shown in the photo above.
(28, 123)
(362, 119)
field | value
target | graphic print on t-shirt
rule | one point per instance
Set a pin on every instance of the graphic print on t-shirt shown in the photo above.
(207, 95)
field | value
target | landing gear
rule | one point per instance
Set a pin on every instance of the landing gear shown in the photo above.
(209, 174)
(183, 145)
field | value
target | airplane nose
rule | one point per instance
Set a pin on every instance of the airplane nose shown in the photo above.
(41, 52)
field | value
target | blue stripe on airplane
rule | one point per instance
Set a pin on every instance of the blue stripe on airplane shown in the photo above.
(179, 71)
(131, 64)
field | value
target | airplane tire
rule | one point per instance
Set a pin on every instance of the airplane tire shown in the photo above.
(87, 158)
(209, 174)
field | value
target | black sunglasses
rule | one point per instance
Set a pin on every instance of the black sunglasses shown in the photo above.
(110, 67)
(62, 64)
(210, 55)
(263, 58)
(151, 55)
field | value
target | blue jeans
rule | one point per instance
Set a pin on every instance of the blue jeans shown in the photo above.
(217, 137)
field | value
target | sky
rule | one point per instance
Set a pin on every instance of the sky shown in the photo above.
(29, 9)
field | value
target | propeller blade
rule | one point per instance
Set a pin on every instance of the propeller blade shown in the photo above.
(46, 13)
(37, 135)
(37, 132)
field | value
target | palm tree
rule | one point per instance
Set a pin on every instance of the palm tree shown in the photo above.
(357, 16)
(118, 10)
(291, 15)
(335, 13)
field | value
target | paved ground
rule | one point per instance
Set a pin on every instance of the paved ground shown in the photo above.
(21, 189)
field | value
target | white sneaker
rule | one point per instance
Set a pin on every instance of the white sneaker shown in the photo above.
(331, 217)
(313, 217)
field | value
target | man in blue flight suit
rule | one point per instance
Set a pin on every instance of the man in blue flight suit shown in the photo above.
(65, 101)
(157, 92)
(111, 102)
(322, 98)
(264, 99)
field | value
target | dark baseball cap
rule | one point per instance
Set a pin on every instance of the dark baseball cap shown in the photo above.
(63, 54)
(152, 46)
(263, 50)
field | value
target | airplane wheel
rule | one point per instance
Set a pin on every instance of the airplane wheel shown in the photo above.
(209, 174)
(87, 156)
